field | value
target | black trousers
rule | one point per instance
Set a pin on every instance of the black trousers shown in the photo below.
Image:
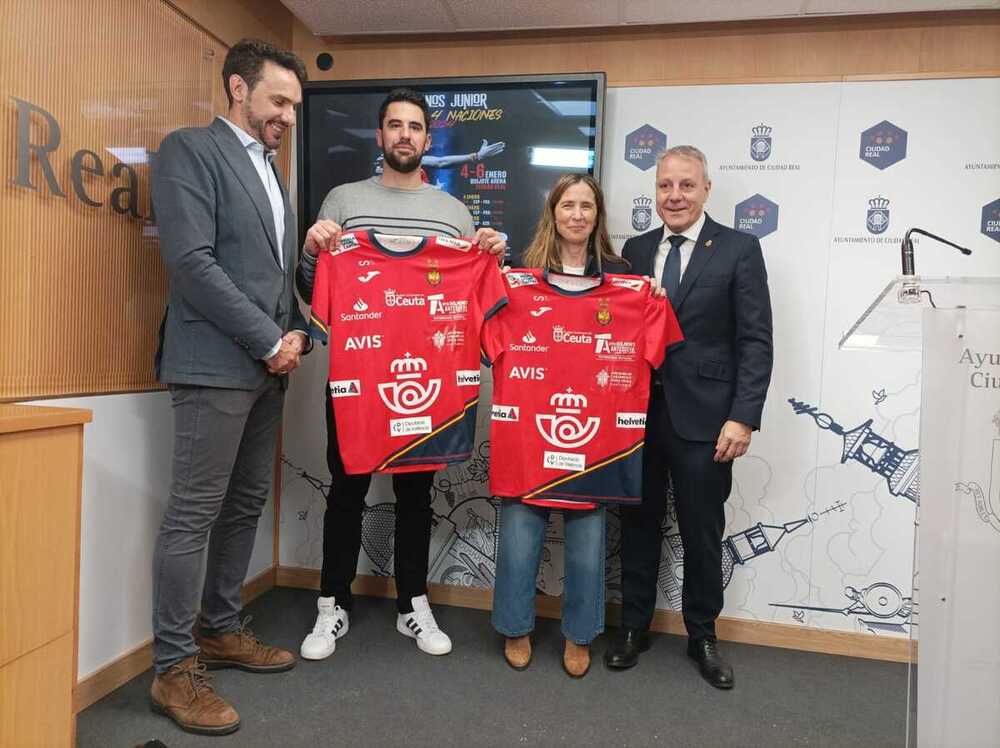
(342, 527)
(701, 487)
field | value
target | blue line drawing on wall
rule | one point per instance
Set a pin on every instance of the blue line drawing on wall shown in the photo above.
(900, 467)
(987, 502)
(879, 608)
(879, 396)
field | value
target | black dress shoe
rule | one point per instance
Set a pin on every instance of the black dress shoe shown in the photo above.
(625, 648)
(712, 665)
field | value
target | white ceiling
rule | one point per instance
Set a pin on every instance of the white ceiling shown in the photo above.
(345, 17)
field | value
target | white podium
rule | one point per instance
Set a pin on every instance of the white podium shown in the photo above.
(954, 683)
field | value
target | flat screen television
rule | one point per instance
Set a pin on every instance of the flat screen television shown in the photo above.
(497, 143)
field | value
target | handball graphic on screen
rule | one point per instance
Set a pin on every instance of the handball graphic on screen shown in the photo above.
(497, 143)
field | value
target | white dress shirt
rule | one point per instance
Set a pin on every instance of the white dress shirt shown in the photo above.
(691, 238)
(261, 160)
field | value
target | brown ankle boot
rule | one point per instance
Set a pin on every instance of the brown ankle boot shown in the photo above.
(241, 649)
(517, 651)
(576, 659)
(184, 694)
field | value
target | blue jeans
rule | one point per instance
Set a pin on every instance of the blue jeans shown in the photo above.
(522, 534)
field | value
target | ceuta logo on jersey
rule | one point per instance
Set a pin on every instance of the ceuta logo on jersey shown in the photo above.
(642, 212)
(394, 299)
(561, 335)
(878, 215)
(643, 145)
(760, 143)
(883, 145)
(407, 395)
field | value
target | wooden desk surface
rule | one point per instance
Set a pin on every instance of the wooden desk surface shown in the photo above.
(15, 417)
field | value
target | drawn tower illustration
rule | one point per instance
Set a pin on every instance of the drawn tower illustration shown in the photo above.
(900, 467)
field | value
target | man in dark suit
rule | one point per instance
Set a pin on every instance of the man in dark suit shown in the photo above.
(706, 401)
(231, 333)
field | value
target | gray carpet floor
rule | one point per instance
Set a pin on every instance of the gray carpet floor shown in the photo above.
(378, 689)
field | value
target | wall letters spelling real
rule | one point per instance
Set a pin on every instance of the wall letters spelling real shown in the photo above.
(124, 199)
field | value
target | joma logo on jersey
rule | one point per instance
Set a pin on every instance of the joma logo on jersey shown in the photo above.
(561, 335)
(361, 342)
(408, 395)
(527, 372)
(345, 388)
(540, 311)
(564, 428)
(369, 275)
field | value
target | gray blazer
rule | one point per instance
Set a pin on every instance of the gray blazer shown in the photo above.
(229, 299)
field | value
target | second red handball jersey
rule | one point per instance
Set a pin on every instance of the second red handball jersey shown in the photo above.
(571, 375)
(402, 316)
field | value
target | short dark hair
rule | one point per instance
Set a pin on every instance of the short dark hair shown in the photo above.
(247, 57)
(409, 96)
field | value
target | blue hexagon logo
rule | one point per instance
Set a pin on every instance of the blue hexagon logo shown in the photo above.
(643, 145)
(883, 145)
(991, 220)
(756, 215)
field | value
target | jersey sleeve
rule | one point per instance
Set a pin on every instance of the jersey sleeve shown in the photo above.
(661, 329)
(490, 293)
(493, 340)
(319, 317)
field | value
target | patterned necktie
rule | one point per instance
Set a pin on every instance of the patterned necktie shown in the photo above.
(671, 279)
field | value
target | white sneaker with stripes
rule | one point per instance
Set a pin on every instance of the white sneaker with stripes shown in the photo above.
(420, 625)
(331, 624)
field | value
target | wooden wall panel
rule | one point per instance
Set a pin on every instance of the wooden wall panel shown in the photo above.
(82, 287)
(926, 45)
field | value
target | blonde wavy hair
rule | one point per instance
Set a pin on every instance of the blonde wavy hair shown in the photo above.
(543, 252)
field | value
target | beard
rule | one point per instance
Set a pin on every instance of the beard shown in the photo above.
(258, 126)
(404, 164)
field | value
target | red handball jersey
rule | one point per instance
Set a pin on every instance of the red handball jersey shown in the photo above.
(571, 373)
(403, 317)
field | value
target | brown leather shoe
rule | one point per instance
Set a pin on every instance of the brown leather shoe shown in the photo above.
(241, 649)
(517, 651)
(576, 659)
(183, 693)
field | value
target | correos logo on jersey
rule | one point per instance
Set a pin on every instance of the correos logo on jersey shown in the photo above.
(565, 428)
(408, 395)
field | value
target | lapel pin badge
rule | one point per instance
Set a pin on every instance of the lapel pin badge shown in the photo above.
(708, 243)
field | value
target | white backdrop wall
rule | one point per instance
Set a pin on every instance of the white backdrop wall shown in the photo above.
(127, 451)
(805, 530)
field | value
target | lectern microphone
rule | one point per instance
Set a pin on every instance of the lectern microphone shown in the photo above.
(909, 291)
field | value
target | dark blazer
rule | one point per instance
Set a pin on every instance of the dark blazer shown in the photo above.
(608, 266)
(723, 369)
(230, 300)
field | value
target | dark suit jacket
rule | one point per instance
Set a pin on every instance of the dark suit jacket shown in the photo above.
(723, 369)
(230, 300)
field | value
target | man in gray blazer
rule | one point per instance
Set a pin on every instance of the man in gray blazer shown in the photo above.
(231, 333)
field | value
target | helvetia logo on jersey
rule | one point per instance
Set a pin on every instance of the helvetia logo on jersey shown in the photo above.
(467, 377)
(505, 413)
(630, 420)
(760, 143)
(345, 388)
(529, 344)
(877, 220)
(369, 275)
(408, 395)
(642, 212)
(564, 428)
(516, 280)
(561, 335)
(393, 299)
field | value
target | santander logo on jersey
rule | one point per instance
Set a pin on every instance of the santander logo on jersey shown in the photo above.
(564, 428)
(408, 395)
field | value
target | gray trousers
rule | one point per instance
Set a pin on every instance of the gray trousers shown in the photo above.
(224, 446)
